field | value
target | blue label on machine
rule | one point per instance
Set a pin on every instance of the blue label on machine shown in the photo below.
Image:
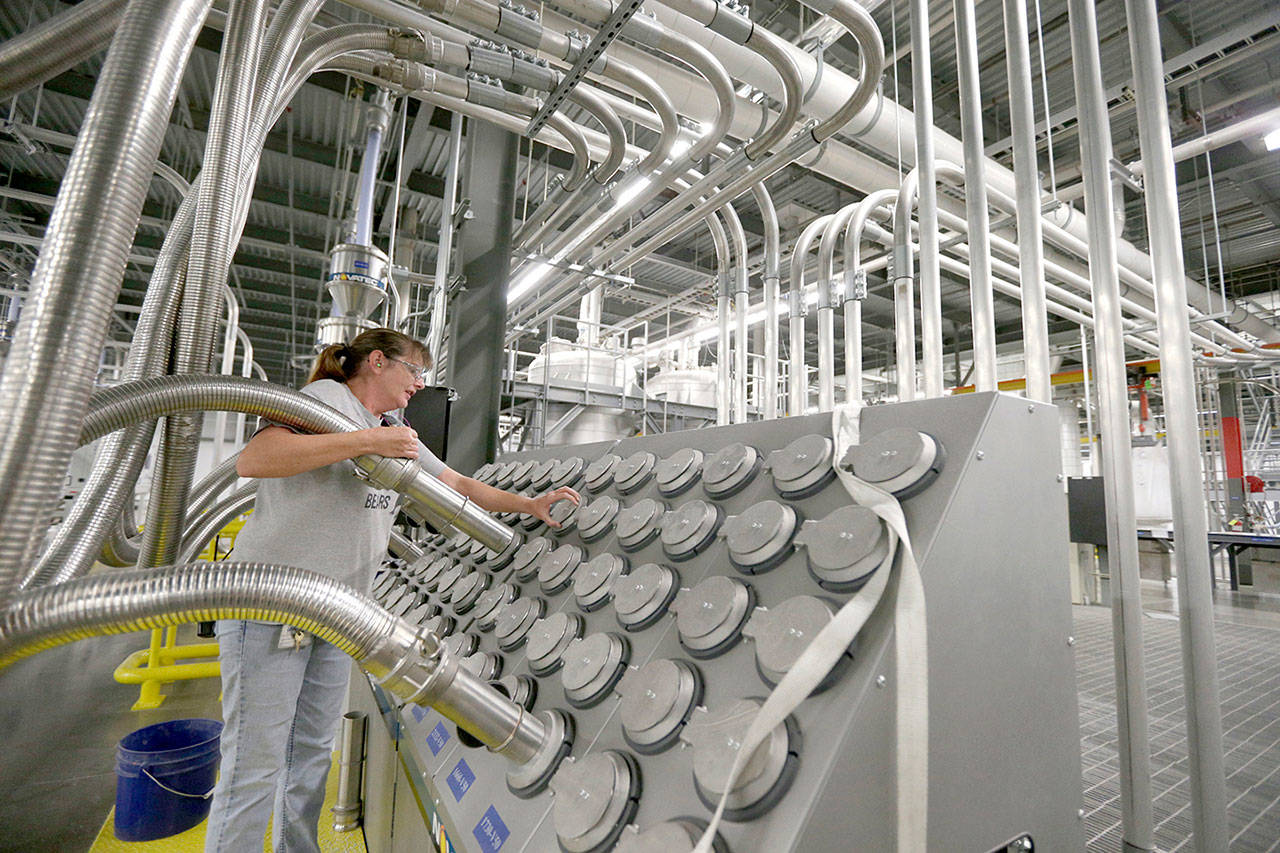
(460, 779)
(437, 738)
(361, 265)
(491, 832)
(418, 713)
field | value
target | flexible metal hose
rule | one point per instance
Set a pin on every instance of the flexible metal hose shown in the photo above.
(95, 516)
(59, 43)
(408, 661)
(212, 246)
(197, 533)
(121, 547)
(78, 276)
(116, 407)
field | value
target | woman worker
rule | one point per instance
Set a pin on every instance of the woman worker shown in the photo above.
(282, 691)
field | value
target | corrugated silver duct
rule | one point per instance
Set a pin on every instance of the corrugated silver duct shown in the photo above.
(80, 269)
(213, 241)
(59, 43)
(121, 547)
(200, 529)
(95, 515)
(405, 660)
(116, 407)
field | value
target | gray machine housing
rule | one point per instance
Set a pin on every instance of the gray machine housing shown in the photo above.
(990, 536)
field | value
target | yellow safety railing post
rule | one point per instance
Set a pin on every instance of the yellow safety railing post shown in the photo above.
(159, 663)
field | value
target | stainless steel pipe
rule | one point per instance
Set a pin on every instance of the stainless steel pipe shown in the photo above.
(1117, 471)
(1195, 587)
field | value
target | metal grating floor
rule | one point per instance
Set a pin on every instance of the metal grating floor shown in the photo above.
(1248, 644)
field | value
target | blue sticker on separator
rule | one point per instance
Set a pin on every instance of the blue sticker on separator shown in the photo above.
(491, 832)
(460, 779)
(438, 737)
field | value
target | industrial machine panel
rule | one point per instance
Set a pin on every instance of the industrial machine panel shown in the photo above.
(697, 568)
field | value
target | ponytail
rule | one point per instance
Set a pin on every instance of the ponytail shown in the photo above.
(341, 362)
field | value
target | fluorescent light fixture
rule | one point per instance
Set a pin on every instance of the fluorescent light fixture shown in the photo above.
(1272, 140)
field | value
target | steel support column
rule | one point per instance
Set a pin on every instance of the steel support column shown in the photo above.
(480, 310)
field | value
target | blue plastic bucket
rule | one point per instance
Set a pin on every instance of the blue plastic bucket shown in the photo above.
(164, 778)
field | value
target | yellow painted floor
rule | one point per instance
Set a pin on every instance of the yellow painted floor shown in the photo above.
(193, 839)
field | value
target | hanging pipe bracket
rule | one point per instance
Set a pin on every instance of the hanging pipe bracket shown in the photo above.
(855, 285)
(796, 307)
(604, 37)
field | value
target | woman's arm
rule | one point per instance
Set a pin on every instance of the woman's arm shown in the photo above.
(496, 500)
(279, 452)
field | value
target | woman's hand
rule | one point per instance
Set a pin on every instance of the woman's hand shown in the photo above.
(542, 503)
(397, 442)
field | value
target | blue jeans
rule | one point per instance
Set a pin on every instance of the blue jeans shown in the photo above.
(280, 708)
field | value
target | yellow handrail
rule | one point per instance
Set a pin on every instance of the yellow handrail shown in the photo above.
(156, 664)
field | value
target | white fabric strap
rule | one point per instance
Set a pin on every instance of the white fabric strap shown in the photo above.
(834, 639)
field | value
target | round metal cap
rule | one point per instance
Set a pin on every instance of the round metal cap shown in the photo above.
(633, 472)
(656, 701)
(496, 560)
(689, 528)
(525, 562)
(761, 536)
(422, 613)
(448, 579)
(679, 471)
(468, 590)
(440, 625)
(506, 472)
(599, 474)
(596, 517)
(515, 620)
(592, 666)
(641, 597)
(567, 472)
(566, 513)
(596, 796)
(482, 665)
(639, 524)
(672, 836)
(460, 645)
(490, 602)
(716, 736)
(593, 583)
(730, 469)
(548, 638)
(522, 475)
(555, 571)
(540, 473)
(803, 467)
(710, 616)
(846, 546)
(485, 472)
(521, 689)
(476, 549)
(897, 460)
(782, 633)
(430, 576)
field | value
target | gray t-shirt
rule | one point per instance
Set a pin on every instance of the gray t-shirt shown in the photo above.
(327, 520)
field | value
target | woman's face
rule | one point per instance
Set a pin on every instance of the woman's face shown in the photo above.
(400, 377)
